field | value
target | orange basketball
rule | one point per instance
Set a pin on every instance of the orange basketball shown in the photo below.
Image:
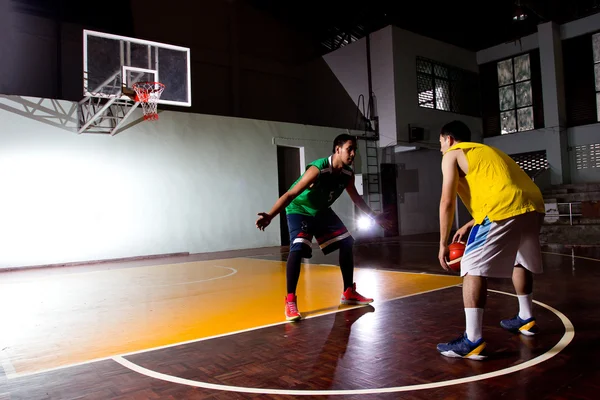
(457, 250)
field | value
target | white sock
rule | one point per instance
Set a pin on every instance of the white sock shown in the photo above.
(525, 305)
(474, 317)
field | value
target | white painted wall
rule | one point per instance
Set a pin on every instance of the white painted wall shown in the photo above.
(349, 65)
(577, 136)
(506, 50)
(393, 70)
(394, 78)
(407, 46)
(419, 213)
(523, 142)
(384, 84)
(580, 27)
(562, 162)
(186, 183)
(527, 43)
(548, 139)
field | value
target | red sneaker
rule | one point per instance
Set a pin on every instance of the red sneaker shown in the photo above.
(291, 309)
(351, 296)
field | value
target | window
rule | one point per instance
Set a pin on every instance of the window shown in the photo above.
(516, 98)
(447, 88)
(596, 46)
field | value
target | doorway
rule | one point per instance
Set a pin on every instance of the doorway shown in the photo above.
(390, 198)
(288, 167)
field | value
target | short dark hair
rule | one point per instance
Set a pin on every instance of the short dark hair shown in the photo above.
(341, 139)
(458, 130)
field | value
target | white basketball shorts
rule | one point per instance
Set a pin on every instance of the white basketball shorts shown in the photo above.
(494, 248)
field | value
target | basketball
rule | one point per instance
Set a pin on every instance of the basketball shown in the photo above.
(457, 250)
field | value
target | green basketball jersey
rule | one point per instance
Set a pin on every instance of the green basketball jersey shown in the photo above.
(323, 192)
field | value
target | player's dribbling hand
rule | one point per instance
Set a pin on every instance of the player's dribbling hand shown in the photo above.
(263, 221)
(460, 234)
(442, 256)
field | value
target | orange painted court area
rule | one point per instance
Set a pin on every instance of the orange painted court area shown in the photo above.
(73, 317)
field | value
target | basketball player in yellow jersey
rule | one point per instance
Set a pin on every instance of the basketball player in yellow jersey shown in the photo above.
(507, 209)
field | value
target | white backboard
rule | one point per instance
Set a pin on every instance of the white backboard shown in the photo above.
(112, 61)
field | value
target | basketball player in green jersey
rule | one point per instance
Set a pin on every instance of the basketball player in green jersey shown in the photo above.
(307, 204)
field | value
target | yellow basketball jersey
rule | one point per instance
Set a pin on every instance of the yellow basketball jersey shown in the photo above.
(495, 187)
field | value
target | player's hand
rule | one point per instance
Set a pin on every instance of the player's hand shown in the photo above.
(263, 221)
(382, 220)
(461, 234)
(442, 256)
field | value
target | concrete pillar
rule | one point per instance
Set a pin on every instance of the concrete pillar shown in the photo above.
(553, 87)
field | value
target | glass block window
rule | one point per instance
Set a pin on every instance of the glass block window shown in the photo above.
(531, 162)
(587, 156)
(516, 98)
(446, 88)
(596, 46)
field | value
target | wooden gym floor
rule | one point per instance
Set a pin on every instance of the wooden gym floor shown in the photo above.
(212, 327)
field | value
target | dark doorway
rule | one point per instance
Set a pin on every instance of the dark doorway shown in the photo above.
(288, 167)
(389, 198)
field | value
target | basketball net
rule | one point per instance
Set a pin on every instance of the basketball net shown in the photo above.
(148, 93)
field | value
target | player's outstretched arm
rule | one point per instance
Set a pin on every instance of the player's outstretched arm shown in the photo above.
(364, 207)
(309, 177)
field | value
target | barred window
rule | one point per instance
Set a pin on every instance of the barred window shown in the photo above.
(516, 97)
(447, 88)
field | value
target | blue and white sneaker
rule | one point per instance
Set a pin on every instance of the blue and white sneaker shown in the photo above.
(463, 348)
(517, 325)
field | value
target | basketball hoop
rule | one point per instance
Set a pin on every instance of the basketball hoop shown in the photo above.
(148, 93)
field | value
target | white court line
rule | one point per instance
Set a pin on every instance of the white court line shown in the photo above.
(543, 252)
(235, 271)
(20, 375)
(104, 271)
(279, 323)
(567, 323)
(5, 363)
(366, 268)
(562, 343)
(572, 255)
(11, 373)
